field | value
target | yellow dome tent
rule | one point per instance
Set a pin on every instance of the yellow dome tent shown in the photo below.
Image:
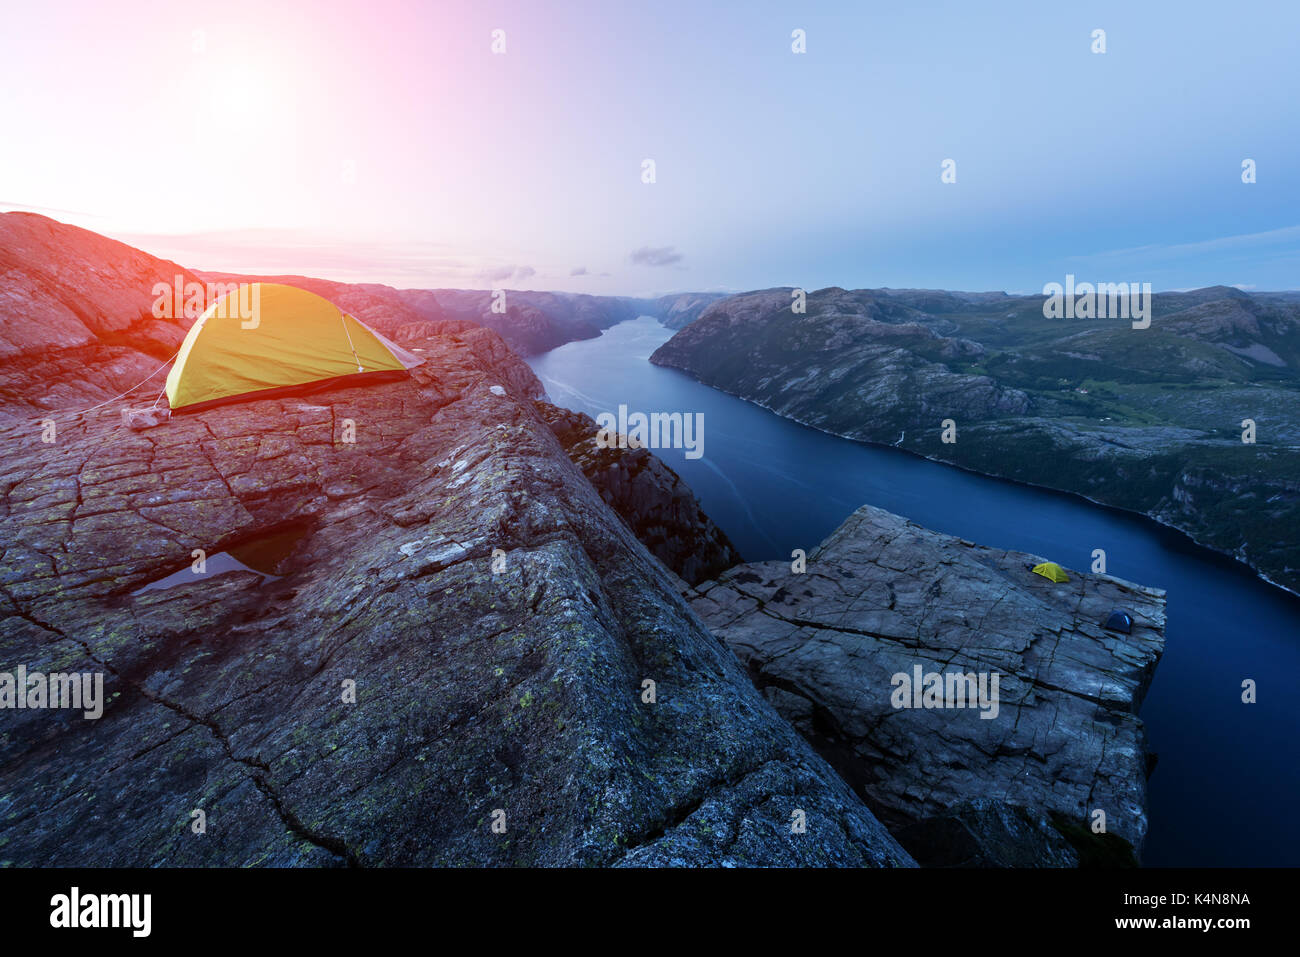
(265, 339)
(1053, 571)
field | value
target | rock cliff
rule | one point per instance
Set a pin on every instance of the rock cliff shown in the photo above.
(450, 651)
(1054, 741)
(658, 506)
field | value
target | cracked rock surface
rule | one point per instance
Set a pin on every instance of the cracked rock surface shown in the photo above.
(516, 690)
(882, 595)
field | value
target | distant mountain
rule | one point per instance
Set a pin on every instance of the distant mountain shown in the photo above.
(533, 322)
(680, 310)
(536, 322)
(1145, 419)
(1292, 295)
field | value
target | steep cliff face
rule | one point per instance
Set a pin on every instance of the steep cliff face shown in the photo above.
(657, 505)
(680, 310)
(1057, 737)
(444, 647)
(1135, 418)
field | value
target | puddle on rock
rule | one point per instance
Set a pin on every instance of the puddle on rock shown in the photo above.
(264, 556)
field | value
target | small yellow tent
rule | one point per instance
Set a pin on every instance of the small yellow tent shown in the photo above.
(1051, 570)
(265, 339)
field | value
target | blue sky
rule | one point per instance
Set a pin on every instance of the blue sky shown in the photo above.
(470, 168)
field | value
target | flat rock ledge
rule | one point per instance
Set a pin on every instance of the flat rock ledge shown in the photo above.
(883, 597)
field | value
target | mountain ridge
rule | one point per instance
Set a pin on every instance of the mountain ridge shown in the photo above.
(1150, 420)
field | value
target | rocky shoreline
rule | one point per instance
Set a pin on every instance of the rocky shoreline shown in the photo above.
(938, 460)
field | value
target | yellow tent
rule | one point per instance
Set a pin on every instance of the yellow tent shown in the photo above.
(265, 339)
(1051, 570)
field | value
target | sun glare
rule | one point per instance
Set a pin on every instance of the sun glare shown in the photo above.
(240, 93)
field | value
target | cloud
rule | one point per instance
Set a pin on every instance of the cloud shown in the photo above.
(656, 256)
(1285, 235)
(503, 273)
(578, 271)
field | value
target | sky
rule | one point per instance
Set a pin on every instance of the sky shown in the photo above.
(386, 141)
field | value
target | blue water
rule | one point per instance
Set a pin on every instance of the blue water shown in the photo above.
(1226, 790)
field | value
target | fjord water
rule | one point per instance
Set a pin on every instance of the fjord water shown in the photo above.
(1226, 788)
